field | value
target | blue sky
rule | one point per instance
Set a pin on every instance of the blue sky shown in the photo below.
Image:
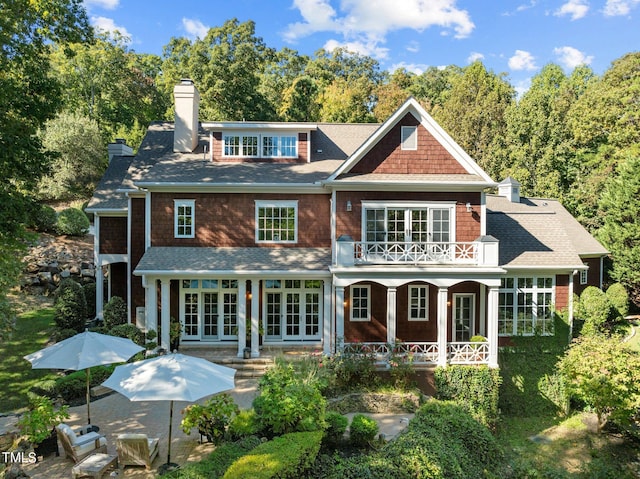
(515, 37)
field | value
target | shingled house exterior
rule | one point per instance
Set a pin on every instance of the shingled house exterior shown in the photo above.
(335, 236)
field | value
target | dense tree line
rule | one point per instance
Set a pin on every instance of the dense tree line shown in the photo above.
(572, 136)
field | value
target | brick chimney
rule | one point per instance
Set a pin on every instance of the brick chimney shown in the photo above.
(119, 148)
(187, 101)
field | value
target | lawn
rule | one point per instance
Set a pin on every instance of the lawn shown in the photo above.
(32, 333)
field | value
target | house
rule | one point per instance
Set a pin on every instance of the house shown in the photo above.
(337, 236)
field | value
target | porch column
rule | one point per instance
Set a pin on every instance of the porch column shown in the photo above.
(483, 310)
(165, 313)
(242, 316)
(99, 291)
(442, 326)
(151, 309)
(492, 326)
(255, 318)
(326, 317)
(339, 317)
(391, 316)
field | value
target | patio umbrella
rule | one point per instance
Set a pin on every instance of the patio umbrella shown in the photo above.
(172, 377)
(83, 351)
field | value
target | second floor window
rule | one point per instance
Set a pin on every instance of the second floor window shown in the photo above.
(264, 146)
(241, 145)
(184, 218)
(276, 221)
(408, 223)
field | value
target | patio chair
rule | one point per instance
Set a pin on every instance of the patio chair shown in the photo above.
(78, 446)
(136, 450)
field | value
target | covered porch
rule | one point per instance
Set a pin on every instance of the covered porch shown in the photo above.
(427, 319)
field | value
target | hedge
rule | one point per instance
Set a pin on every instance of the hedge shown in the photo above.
(285, 457)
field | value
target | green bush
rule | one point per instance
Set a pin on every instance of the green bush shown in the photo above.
(244, 424)
(350, 371)
(363, 430)
(211, 418)
(128, 331)
(475, 388)
(72, 222)
(597, 311)
(45, 219)
(72, 387)
(216, 463)
(115, 312)
(336, 427)
(70, 307)
(619, 299)
(285, 457)
(289, 403)
(89, 291)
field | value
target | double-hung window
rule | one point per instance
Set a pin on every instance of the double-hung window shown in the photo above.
(240, 145)
(184, 218)
(360, 303)
(418, 303)
(525, 306)
(276, 221)
(275, 146)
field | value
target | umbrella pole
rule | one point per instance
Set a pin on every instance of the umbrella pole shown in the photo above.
(88, 374)
(169, 466)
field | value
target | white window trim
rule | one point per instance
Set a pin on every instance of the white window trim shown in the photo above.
(276, 204)
(426, 288)
(534, 290)
(302, 290)
(279, 147)
(260, 145)
(472, 325)
(409, 138)
(184, 203)
(368, 317)
(584, 276)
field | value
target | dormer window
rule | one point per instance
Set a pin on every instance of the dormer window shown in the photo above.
(263, 146)
(241, 145)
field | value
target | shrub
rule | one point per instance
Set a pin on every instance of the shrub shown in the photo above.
(70, 307)
(72, 387)
(350, 371)
(475, 388)
(44, 219)
(363, 430)
(72, 222)
(336, 427)
(285, 457)
(596, 310)
(288, 403)
(244, 424)
(401, 367)
(128, 331)
(89, 291)
(212, 418)
(115, 312)
(619, 299)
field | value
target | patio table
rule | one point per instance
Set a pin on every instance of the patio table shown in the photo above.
(94, 465)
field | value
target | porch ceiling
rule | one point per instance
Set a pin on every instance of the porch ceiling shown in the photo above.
(167, 260)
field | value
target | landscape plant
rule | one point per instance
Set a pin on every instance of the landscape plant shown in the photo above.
(363, 430)
(38, 422)
(72, 222)
(336, 427)
(70, 306)
(114, 312)
(212, 419)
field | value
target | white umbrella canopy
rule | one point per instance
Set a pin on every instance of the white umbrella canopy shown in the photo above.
(83, 351)
(171, 377)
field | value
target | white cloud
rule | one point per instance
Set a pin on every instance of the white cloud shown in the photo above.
(615, 8)
(413, 47)
(522, 60)
(374, 19)
(106, 4)
(575, 8)
(370, 49)
(194, 28)
(108, 25)
(475, 56)
(570, 57)
(417, 68)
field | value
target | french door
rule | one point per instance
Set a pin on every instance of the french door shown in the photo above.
(292, 310)
(209, 309)
(464, 317)
(408, 224)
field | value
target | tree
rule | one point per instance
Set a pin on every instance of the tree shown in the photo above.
(597, 311)
(605, 375)
(620, 232)
(70, 306)
(290, 93)
(29, 96)
(473, 112)
(81, 156)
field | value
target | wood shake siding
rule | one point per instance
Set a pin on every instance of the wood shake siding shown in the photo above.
(387, 156)
(137, 250)
(562, 292)
(349, 222)
(593, 275)
(228, 220)
(113, 235)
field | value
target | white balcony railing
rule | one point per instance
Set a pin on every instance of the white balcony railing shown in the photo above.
(483, 252)
(421, 352)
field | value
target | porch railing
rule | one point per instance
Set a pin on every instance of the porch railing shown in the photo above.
(421, 352)
(483, 252)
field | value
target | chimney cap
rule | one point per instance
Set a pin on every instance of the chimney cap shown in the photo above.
(186, 81)
(509, 181)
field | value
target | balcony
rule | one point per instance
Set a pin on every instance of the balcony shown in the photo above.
(482, 252)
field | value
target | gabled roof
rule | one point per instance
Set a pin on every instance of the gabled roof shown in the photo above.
(413, 107)
(107, 196)
(539, 233)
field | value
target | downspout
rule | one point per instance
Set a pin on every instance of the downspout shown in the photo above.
(571, 305)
